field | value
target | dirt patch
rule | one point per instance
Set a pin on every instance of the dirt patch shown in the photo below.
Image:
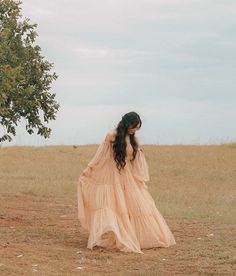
(43, 237)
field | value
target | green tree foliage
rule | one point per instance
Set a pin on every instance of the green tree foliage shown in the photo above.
(25, 78)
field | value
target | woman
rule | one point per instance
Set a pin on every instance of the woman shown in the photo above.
(114, 204)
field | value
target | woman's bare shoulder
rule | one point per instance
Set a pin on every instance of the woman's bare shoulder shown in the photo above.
(111, 136)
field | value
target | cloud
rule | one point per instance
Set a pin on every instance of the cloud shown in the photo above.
(173, 60)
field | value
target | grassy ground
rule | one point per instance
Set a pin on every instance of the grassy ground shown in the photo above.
(194, 188)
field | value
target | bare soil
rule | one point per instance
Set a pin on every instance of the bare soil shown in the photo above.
(43, 237)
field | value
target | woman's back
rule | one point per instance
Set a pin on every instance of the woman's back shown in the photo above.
(113, 197)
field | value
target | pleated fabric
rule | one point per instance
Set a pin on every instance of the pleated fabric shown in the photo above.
(116, 207)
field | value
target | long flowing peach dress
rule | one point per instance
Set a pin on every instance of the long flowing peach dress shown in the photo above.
(117, 208)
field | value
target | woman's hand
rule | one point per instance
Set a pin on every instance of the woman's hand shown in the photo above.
(142, 184)
(87, 171)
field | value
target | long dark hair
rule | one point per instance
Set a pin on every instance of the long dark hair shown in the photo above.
(129, 120)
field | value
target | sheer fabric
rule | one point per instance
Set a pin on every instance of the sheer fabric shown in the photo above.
(117, 208)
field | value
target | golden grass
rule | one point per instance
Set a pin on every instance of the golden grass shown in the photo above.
(186, 181)
(194, 187)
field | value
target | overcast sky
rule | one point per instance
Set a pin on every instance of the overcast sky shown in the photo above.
(172, 61)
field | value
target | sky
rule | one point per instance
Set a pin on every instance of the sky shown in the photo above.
(171, 61)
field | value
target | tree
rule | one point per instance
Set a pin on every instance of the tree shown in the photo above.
(25, 76)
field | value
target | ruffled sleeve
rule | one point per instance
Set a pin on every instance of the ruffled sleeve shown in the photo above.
(140, 168)
(101, 156)
(95, 168)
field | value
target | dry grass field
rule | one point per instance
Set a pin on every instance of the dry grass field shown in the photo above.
(194, 188)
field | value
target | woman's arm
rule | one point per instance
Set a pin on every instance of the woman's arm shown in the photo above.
(102, 154)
